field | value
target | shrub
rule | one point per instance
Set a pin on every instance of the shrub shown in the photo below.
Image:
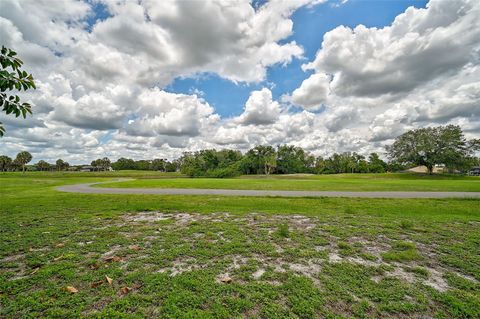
(230, 171)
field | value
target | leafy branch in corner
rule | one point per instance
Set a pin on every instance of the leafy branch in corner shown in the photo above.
(12, 77)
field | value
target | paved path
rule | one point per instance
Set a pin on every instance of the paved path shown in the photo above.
(87, 189)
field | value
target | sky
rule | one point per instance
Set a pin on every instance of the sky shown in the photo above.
(153, 79)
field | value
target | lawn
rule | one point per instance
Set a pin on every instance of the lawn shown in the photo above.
(340, 182)
(223, 257)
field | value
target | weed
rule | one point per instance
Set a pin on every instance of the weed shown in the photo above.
(402, 251)
(283, 230)
(406, 224)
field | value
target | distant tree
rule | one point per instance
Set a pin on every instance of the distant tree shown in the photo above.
(105, 163)
(22, 159)
(376, 164)
(60, 164)
(11, 79)
(158, 164)
(261, 159)
(172, 166)
(102, 164)
(210, 163)
(320, 165)
(337, 163)
(43, 166)
(142, 165)
(431, 146)
(226, 158)
(5, 163)
(342, 163)
(96, 164)
(270, 163)
(292, 159)
(124, 164)
(394, 166)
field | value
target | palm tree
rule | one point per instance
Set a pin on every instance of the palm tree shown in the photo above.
(23, 158)
(5, 163)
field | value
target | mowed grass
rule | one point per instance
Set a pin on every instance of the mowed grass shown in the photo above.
(340, 182)
(231, 257)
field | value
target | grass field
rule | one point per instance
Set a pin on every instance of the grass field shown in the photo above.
(340, 182)
(224, 257)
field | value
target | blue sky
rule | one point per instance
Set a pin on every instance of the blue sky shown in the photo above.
(309, 26)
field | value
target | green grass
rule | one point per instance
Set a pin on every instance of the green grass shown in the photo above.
(402, 251)
(311, 257)
(341, 182)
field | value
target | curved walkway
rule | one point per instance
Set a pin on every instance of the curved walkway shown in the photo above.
(87, 189)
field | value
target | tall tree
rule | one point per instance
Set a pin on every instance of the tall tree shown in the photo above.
(105, 163)
(376, 164)
(172, 166)
(5, 163)
(262, 158)
(60, 164)
(43, 166)
(158, 164)
(12, 77)
(124, 163)
(96, 164)
(23, 158)
(142, 165)
(101, 164)
(292, 159)
(431, 146)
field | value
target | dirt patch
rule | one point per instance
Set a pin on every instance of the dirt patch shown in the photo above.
(302, 223)
(436, 281)
(264, 226)
(310, 269)
(147, 217)
(376, 248)
(183, 265)
(363, 262)
(183, 219)
(435, 277)
(112, 252)
(334, 258)
(401, 274)
(466, 277)
(258, 274)
(13, 258)
(237, 262)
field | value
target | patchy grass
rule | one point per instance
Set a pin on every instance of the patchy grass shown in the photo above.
(218, 257)
(402, 251)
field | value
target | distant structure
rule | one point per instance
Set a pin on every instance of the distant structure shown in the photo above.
(475, 171)
(423, 169)
(87, 168)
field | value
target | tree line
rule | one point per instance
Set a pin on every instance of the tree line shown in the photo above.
(284, 159)
(444, 145)
(19, 163)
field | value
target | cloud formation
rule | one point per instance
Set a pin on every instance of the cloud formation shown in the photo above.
(102, 85)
